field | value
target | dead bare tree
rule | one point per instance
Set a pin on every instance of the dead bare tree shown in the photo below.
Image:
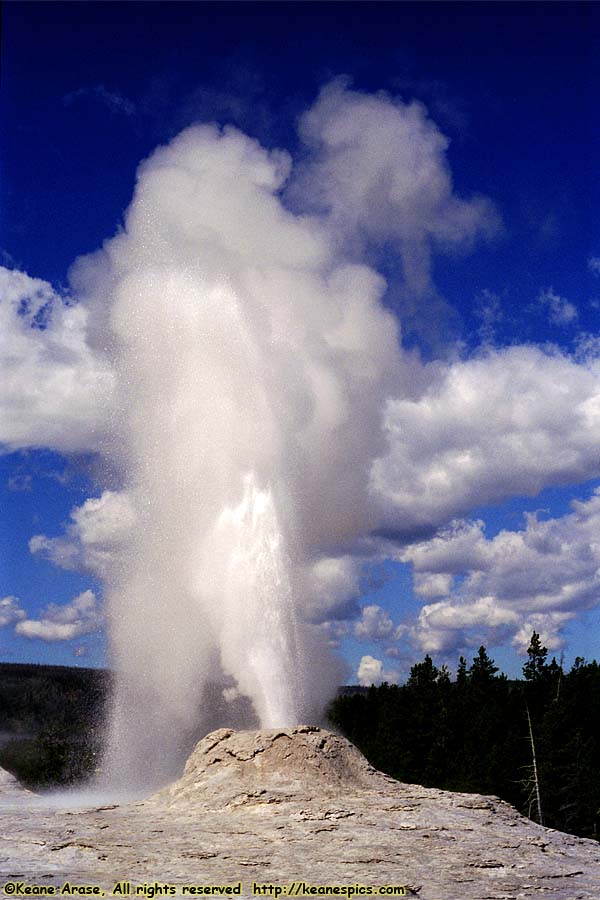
(533, 782)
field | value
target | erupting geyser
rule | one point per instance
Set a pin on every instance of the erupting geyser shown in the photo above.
(250, 358)
(250, 367)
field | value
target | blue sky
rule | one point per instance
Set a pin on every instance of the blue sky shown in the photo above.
(89, 90)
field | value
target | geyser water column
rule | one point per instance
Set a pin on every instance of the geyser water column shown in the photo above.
(256, 618)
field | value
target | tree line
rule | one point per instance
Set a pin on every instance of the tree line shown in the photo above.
(533, 742)
(50, 722)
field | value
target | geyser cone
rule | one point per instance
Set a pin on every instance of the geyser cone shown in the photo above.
(270, 765)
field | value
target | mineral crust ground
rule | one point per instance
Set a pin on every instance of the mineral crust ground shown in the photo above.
(291, 805)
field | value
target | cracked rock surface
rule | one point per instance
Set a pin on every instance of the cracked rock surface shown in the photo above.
(297, 804)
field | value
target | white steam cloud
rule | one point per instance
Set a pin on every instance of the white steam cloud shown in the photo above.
(251, 364)
(231, 356)
(379, 173)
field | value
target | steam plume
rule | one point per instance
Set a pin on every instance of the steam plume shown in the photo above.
(251, 357)
(251, 364)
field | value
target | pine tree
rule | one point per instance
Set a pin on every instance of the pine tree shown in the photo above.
(483, 668)
(535, 668)
(423, 674)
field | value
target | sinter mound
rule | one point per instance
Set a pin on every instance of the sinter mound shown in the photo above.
(232, 767)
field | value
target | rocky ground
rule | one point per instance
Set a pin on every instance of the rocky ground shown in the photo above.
(289, 806)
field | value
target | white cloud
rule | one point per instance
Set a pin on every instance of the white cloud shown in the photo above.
(507, 586)
(64, 622)
(510, 422)
(56, 391)
(443, 625)
(61, 551)
(432, 584)
(560, 310)
(587, 347)
(95, 538)
(370, 671)
(10, 611)
(374, 624)
(103, 520)
(547, 625)
(459, 547)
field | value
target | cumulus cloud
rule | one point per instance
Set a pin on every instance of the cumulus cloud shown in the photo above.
(444, 625)
(55, 390)
(374, 624)
(549, 626)
(431, 584)
(560, 310)
(10, 611)
(95, 538)
(505, 587)
(509, 422)
(63, 622)
(371, 671)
